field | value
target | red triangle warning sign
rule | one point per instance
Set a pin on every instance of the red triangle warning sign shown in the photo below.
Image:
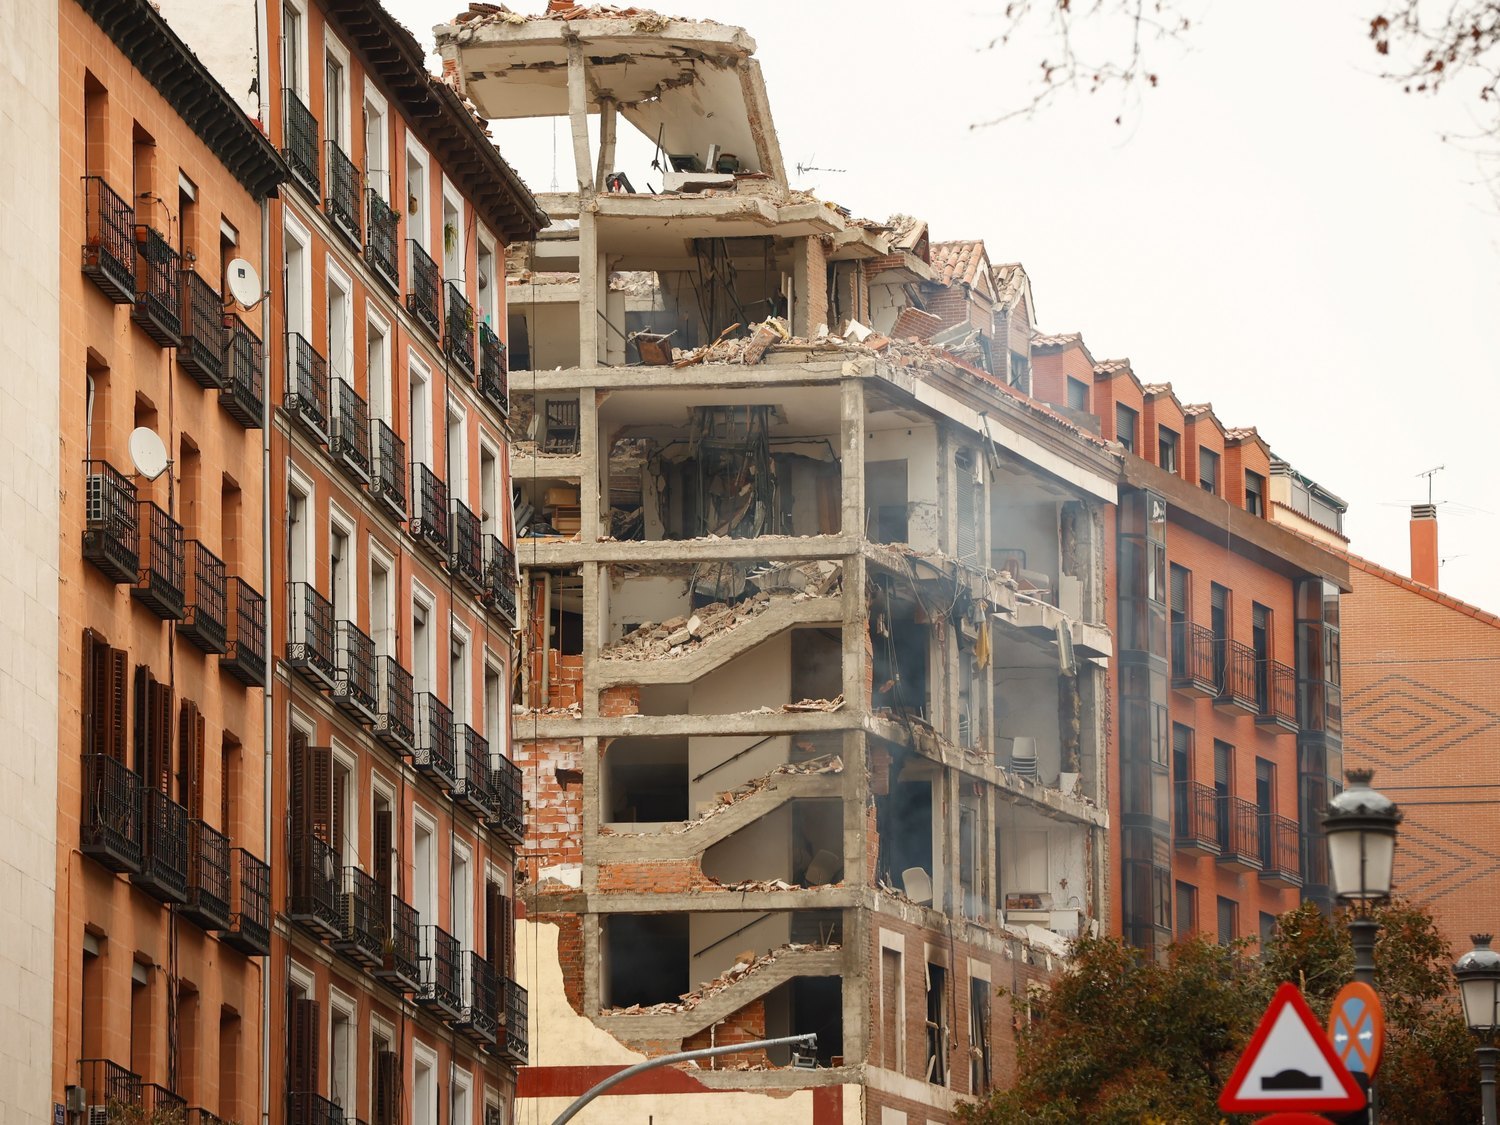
(1289, 1064)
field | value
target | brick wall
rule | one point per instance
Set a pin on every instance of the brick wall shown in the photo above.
(553, 787)
(744, 1026)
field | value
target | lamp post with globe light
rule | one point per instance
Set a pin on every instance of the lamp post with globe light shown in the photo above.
(1478, 975)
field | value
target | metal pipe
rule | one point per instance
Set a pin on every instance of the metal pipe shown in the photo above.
(1362, 930)
(811, 1039)
(1487, 1059)
(268, 725)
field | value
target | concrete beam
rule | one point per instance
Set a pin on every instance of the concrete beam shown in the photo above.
(638, 726)
(560, 553)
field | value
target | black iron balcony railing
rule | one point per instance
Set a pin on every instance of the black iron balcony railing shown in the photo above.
(161, 1104)
(388, 469)
(458, 336)
(1195, 817)
(424, 293)
(480, 1017)
(429, 510)
(311, 645)
(110, 832)
(1194, 665)
(1237, 688)
(244, 374)
(313, 898)
(1280, 853)
(249, 928)
(197, 1115)
(342, 201)
(382, 236)
(441, 986)
(204, 621)
(158, 307)
(160, 574)
(472, 789)
(303, 1107)
(1237, 831)
(164, 847)
(110, 1089)
(1276, 693)
(245, 644)
(494, 369)
(395, 714)
(499, 592)
(401, 961)
(209, 896)
(466, 547)
(363, 919)
(515, 1048)
(201, 353)
(299, 142)
(111, 540)
(109, 246)
(433, 753)
(350, 439)
(354, 687)
(306, 387)
(505, 783)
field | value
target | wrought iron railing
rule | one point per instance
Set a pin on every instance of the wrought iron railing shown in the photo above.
(160, 574)
(424, 294)
(506, 783)
(244, 374)
(441, 987)
(388, 469)
(1195, 816)
(313, 899)
(395, 715)
(516, 1048)
(494, 369)
(1237, 832)
(429, 510)
(401, 965)
(500, 579)
(1194, 661)
(310, 644)
(245, 645)
(342, 202)
(350, 439)
(109, 241)
(364, 920)
(209, 893)
(480, 1017)
(249, 928)
(1237, 687)
(382, 236)
(1280, 853)
(161, 1104)
(458, 337)
(164, 847)
(204, 622)
(466, 547)
(109, 1086)
(201, 353)
(472, 789)
(1276, 691)
(110, 830)
(433, 754)
(354, 686)
(158, 306)
(111, 539)
(307, 1108)
(306, 386)
(299, 142)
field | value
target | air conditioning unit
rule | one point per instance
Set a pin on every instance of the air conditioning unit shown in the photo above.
(96, 1114)
(94, 505)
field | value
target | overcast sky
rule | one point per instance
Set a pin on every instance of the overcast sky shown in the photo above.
(1275, 229)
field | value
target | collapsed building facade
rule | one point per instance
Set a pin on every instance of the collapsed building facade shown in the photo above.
(812, 716)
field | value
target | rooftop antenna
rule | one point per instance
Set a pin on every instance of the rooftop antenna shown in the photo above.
(804, 169)
(1429, 474)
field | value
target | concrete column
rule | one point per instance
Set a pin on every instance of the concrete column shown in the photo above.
(852, 456)
(591, 283)
(578, 115)
(608, 121)
(589, 687)
(593, 479)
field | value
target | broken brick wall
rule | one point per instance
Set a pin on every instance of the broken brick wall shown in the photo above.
(553, 788)
(744, 1026)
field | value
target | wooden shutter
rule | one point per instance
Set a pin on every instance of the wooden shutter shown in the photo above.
(192, 735)
(117, 693)
(105, 689)
(142, 730)
(387, 1088)
(381, 840)
(302, 1046)
(337, 805)
(312, 785)
(161, 735)
(500, 928)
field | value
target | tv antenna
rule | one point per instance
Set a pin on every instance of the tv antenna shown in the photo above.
(804, 169)
(1429, 474)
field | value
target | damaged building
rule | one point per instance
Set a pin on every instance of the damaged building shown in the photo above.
(812, 607)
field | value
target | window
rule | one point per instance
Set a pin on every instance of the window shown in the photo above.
(1078, 395)
(461, 904)
(297, 268)
(892, 1011)
(340, 325)
(419, 440)
(937, 1025)
(1255, 493)
(1260, 642)
(1125, 427)
(345, 822)
(424, 1088)
(495, 711)
(382, 605)
(968, 860)
(453, 237)
(488, 285)
(1223, 790)
(1228, 920)
(298, 536)
(1166, 449)
(378, 365)
(1182, 776)
(1265, 808)
(424, 872)
(335, 96)
(1218, 624)
(1187, 910)
(291, 48)
(229, 783)
(341, 570)
(979, 1035)
(1181, 590)
(341, 1027)
(461, 1112)
(416, 197)
(377, 146)
(458, 674)
(385, 1078)
(1208, 470)
(458, 458)
(423, 644)
(1020, 372)
(1267, 928)
(489, 491)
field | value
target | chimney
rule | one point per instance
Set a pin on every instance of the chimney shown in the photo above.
(1424, 544)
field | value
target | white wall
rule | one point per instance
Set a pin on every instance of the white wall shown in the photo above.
(223, 36)
(1026, 704)
(761, 677)
(918, 447)
(646, 599)
(30, 514)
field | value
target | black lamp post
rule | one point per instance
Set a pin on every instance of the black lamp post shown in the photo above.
(1361, 829)
(1478, 973)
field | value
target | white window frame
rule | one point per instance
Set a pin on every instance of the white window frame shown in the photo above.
(424, 1056)
(299, 482)
(294, 231)
(461, 1080)
(379, 178)
(348, 848)
(385, 623)
(299, 78)
(420, 595)
(417, 371)
(345, 1005)
(458, 461)
(341, 523)
(461, 854)
(460, 634)
(303, 978)
(340, 282)
(421, 818)
(452, 198)
(497, 717)
(340, 53)
(487, 300)
(494, 524)
(418, 226)
(378, 375)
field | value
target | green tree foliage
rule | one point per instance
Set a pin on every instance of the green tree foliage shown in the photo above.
(1123, 1038)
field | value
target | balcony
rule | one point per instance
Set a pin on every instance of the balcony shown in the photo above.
(480, 1018)
(350, 439)
(382, 236)
(433, 753)
(342, 202)
(1237, 688)
(458, 338)
(1276, 692)
(1237, 831)
(401, 960)
(494, 370)
(1280, 858)
(204, 621)
(160, 572)
(505, 783)
(472, 790)
(201, 353)
(429, 510)
(209, 895)
(249, 928)
(1195, 818)
(499, 593)
(363, 919)
(310, 643)
(299, 142)
(244, 373)
(109, 246)
(245, 643)
(164, 847)
(1195, 671)
(313, 898)
(158, 305)
(110, 536)
(354, 687)
(159, 1104)
(197, 1115)
(388, 469)
(395, 714)
(306, 387)
(441, 988)
(307, 1108)
(110, 830)
(424, 293)
(513, 1046)
(466, 547)
(109, 1088)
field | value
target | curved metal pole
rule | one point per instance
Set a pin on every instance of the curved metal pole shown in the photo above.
(811, 1039)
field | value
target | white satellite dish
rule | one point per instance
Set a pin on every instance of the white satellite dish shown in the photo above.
(147, 453)
(243, 283)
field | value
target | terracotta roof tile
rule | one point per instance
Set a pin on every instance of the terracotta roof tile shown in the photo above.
(1433, 595)
(957, 261)
(1056, 340)
(1157, 388)
(1241, 433)
(1111, 366)
(1007, 278)
(1193, 409)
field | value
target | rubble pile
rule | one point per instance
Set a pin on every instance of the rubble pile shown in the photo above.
(746, 964)
(825, 763)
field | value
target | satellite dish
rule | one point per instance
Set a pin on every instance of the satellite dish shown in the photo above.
(243, 283)
(147, 453)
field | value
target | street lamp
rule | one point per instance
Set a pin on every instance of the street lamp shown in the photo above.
(1478, 974)
(1361, 828)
